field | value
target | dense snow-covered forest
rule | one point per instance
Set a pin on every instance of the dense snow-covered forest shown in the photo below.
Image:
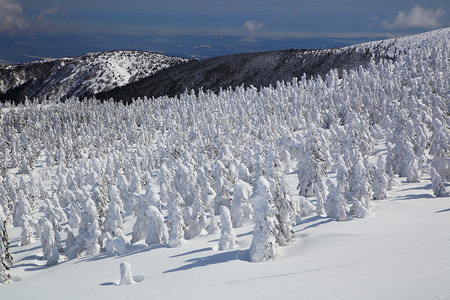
(87, 178)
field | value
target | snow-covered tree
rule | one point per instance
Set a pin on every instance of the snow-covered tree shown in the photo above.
(164, 179)
(335, 205)
(184, 182)
(288, 210)
(6, 204)
(6, 259)
(207, 192)
(439, 188)
(380, 180)
(312, 166)
(114, 219)
(264, 245)
(244, 174)
(196, 220)
(223, 196)
(241, 209)
(212, 226)
(141, 226)
(48, 242)
(227, 236)
(24, 217)
(89, 231)
(175, 220)
(360, 189)
(440, 145)
(319, 192)
(157, 232)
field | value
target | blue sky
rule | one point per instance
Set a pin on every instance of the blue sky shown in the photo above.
(250, 20)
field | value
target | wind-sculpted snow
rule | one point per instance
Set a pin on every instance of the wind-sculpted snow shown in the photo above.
(79, 76)
(346, 139)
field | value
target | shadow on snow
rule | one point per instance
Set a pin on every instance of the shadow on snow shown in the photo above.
(192, 252)
(218, 258)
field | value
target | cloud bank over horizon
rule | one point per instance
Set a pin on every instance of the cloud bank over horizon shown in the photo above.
(418, 17)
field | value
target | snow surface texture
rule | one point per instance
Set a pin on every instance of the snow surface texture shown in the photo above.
(100, 171)
(83, 75)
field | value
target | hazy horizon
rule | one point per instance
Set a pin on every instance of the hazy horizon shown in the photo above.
(30, 30)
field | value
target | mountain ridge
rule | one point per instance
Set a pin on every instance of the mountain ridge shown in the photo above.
(261, 69)
(125, 75)
(63, 78)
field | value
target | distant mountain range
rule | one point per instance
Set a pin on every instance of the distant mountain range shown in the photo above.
(127, 75)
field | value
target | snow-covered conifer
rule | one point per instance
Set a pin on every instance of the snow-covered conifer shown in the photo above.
(244, 174)
(335, 205)
(164, 179)
(24, 217)
(48, 242)
(207, 192)
(212, 225)
(223, 196)
(157, 232)
(264, 245)
(360, 188)
(439, 188)
(241, 209)
(380, 180)
(319, 192)
(114, 218)
(74, 208)
(6, 204)
(440, 146)
(175, 220)
(6, 259)
(122, 185)
(392, 180)
(312, 166)
(184, 182)
(227, 236)
(196, 221)
(288, 210)
(89, 231)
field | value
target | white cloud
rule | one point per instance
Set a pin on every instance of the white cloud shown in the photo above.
(252, 25)
(48, 12)
(250, 28)
(418, 17)
(11, 17)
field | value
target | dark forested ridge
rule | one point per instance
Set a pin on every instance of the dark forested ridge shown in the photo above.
(259, 69)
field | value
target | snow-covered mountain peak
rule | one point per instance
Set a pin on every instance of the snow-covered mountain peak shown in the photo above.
(82, 75)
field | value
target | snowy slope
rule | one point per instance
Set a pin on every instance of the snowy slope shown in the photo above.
(392, 46)
(402, 252)
(80, 76)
